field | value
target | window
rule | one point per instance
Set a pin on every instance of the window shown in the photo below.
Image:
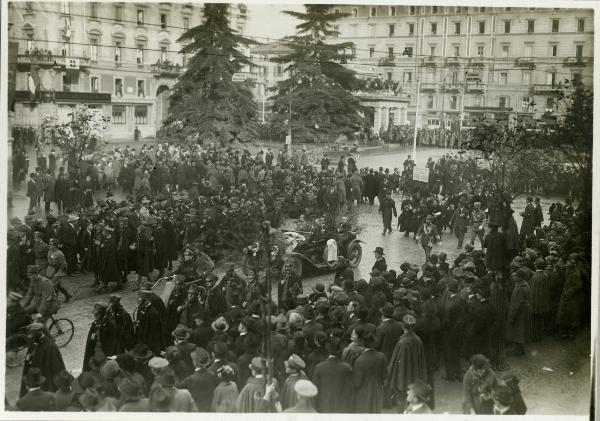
(555, 25)
(139, 54)
(186, 23)
(140, 17)
(478, 101)
(354, 12)
(580, 25)
(528, 50)
(66, 7)
(525, 103)
(141, 89)
(390, 52)
(526, 79)
(118, 48)
(503, 78)
(163, 53)
(118, 12)
(549, 105)
(93, 9)
(373, 11)
(434, 10)
(371, 52)
(456, 50)
(554, 50)
(392, 11)
(411, 29)
(505, 51)
(456, 28)
(66, 49)
(391, 29)
(407, 77)
(66, 83)
(163, 21)
(353, 30)
(430, 101)
(389, 76)
(480, 50)
(119, 87)
(454, 78)
(408, 51)
(551, 78)
(482, 27)
(507, 27)
(432, 50)
(502, 102)
(579, 50)
(434, 28)
(482, 10)
(412, 10)
(94, 86)
(453, 102)
(336, 11)
(576, 78)
(530, 26)
(118, 114)
(371, 30)
(507, 9)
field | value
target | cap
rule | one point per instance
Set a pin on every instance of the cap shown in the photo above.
(158, 363)
(296, 362)
(306, 389)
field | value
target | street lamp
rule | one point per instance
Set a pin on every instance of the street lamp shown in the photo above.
(288, 139)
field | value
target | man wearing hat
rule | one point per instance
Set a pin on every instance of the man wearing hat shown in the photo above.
(408, 362)
(518, 328)
(43, 355)
(333, 377)
(380, 263)
(453, 313)
(252, 397)
(41, 295)
(202, 382)
(102, 335)
(460, 221)
(235, 287)
(181, 336)
(149, 328)
(294, 368)
(131, 396)
(117, 316)
(108, 261)
(306, 392)
(418, 398)
(478, 218)
(528, 223)
(387, 206)
(36, 399)
(428, 235)
(67, 236)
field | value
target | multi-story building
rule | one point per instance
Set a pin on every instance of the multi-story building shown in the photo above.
(470, 62)
(121, 58)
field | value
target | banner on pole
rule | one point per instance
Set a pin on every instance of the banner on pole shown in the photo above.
(421, 174)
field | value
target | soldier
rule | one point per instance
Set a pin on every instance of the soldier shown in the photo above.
(147, 324)
(101, 336)
(118, 317)
(478, 218)
(428, 235)
(460, 221)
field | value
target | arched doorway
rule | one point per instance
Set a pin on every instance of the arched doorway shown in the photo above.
(162, 105)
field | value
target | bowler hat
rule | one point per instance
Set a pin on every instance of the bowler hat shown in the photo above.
(201, 357)
(172, 353)
(379, 250)
(110, 369)
(63, 379)
(34, 377)
(387, 310)
(141, 351)
(220, 325)
(90, 399)
(181, 332)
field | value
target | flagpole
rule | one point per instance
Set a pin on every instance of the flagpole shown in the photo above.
(416, 121)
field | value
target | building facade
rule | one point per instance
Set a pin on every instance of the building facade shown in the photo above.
(120, 58)
(503, 64)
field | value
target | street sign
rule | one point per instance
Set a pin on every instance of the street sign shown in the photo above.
(421, 174)
(239, 77)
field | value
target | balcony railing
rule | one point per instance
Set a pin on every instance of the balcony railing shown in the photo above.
(453, 61)
(82, 96)
(475, 87)
(545, 89)
(478, 61)
(387, 61)
(525, 61)
(576, 61)
(429, 86)
(430, 61)
(167, 69)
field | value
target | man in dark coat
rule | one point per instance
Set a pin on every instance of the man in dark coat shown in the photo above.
(518, 328)
(68, 239)
(202, 383)
(121, 320)
(482, 325)
(235, 287)
(369, 373)
(538, 215)
(528, 224)
(176, 302)
(36, 399)
(32, 191)
(371, 189)
(127, 246)
(493, 244)
(148, 325)
(380, 263)
(408, 363)
(109, 262)
(101, 336)
(44, 355)
(460, 221)
(386, 208)
(453, 311)
(333, 378)
(386, 336)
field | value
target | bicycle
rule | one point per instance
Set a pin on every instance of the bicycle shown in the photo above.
(59, 330)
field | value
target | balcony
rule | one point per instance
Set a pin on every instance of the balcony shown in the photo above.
(66, 96)
(544, 89)
(525, 61)
(387, 62)
(576, 61)
(166, 69)
(476, 87)
(430, 61)
(453, 61)
(429, 86)
(478, 61)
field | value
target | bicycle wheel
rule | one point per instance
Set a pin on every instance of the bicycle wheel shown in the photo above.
(61, 331)
(16, 349)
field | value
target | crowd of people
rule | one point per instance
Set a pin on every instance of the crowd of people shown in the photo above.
(353, 346)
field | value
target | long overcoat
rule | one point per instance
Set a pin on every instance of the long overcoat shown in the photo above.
(369, 376)
(408, 363)
(518, 328)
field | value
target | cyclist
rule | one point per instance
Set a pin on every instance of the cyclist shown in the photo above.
(41, 296)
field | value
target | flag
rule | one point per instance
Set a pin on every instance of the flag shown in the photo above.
(67, 27)
(33, 83)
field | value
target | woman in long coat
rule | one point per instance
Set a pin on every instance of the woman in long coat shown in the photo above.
(369, 376)
(518, 328)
